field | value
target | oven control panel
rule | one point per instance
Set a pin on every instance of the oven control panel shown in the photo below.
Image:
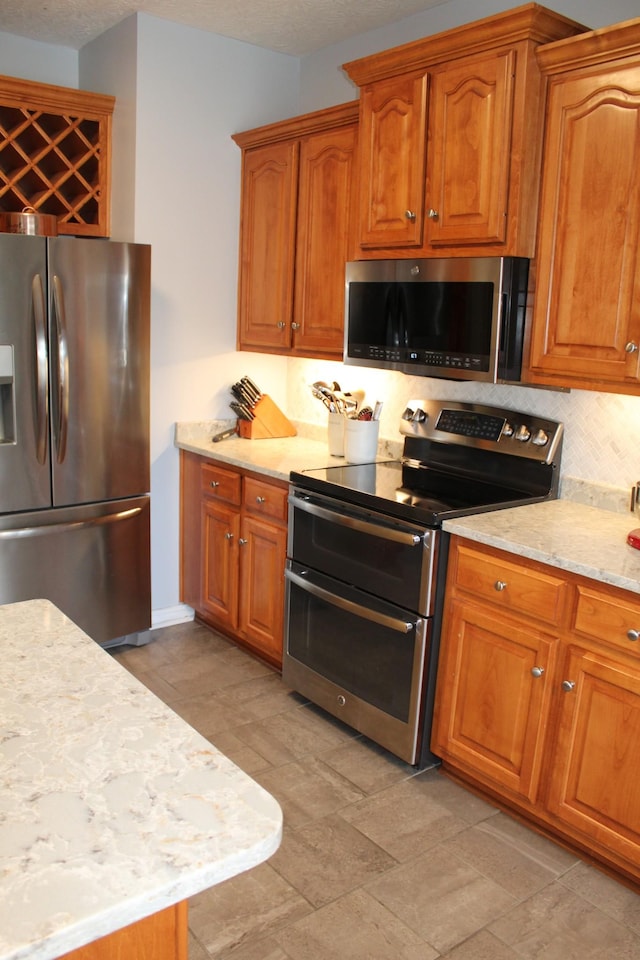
(477, 425)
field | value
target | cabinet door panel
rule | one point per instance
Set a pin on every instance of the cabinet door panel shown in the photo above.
(393, 113)
(470, 150)
(325, 208)
(490, 706)
(588, 292)
(594, 784)
(267, 227)
(220, 532)
(262, 560)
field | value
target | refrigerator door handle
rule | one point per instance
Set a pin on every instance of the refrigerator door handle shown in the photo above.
(62, 353)
(42, 393)
(21, 533)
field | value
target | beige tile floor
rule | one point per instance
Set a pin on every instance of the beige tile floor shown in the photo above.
(377, 862)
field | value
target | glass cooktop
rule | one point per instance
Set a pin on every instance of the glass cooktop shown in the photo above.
(413, 493)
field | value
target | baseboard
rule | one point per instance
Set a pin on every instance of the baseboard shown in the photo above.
(169, 616)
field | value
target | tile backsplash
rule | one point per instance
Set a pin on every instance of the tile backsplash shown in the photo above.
(602, 430)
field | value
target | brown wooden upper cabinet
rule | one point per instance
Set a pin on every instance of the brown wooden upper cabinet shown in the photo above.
(296, 232)
(586, 318)
(451, 139)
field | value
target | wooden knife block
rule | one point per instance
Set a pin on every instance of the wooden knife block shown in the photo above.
(269, 422)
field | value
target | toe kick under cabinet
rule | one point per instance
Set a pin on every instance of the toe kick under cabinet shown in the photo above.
(538, 699)
(233, 550)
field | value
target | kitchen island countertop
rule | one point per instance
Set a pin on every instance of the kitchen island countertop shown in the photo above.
(112, 808)
(572, 536)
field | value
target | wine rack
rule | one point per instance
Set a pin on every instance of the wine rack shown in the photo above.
(55, 154)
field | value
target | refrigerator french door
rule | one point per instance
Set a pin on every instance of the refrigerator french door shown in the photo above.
(74, 429)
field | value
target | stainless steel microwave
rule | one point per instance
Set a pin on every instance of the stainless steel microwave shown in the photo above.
(458, 318)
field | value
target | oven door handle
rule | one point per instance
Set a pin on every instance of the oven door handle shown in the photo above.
(363, 526)
(400, 626)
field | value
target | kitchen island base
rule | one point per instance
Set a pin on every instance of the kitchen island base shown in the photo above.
(162, 936)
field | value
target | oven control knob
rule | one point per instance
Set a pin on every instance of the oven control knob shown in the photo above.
(419, 416)
(540, 438)
(407, 413)
(507, 430)
(523, 433)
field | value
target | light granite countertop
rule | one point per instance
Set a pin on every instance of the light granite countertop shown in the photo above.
(572, 536)
(584, 531)
(274, 458)
(111, 807)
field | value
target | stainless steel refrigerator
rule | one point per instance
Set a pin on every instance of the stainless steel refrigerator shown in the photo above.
(74, 429)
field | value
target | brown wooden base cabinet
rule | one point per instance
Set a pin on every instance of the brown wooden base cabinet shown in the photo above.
(538, 698)
(233, 551)
(162, 936)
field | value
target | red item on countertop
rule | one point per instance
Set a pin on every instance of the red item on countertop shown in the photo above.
(633, 538)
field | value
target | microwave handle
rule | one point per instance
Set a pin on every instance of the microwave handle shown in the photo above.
(362, 526)
(391, 331)
(400, 626)
(403, 334)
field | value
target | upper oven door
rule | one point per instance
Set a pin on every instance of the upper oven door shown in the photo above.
(388, 558)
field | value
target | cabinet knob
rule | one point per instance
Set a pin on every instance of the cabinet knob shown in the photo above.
(633, 634)
(500, 585)
(281, 324)
(214, 483)
(295, 326)
(537, 671)
(261, 499)
(341, 700)
(243, 542)
(410, 215)
(631, 347)
(568, 685)
(433, 214)
(228, 536)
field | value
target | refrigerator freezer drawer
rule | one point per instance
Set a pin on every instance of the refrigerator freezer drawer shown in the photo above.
(92, 561)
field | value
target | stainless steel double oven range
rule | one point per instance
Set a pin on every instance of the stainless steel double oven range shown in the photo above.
(367, 561)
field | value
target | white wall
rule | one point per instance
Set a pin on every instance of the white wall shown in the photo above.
(110, 65)
(43, 62)
(323, 83)
(194, 90)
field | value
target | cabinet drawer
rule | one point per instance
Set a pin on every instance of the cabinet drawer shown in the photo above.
(265, 499)
(220, 484)
(609, 619)
(522, 590)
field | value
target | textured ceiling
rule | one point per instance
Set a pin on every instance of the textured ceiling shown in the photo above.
(287, 26)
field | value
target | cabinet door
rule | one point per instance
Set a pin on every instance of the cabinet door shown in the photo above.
(267, 246)
(471, 105)
(262, 560)
(325, 221)
(220, 536)
(492, 699)
(594, 785)
(392, 161)
(587, 308)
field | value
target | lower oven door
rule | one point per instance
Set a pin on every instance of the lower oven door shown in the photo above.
(360, 658)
